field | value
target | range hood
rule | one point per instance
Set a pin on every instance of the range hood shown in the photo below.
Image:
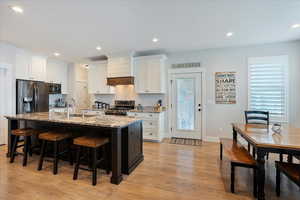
(120, 81)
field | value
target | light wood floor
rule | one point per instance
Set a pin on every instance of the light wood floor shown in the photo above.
(169, 172)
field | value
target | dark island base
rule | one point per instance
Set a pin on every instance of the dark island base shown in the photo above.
(131, 142)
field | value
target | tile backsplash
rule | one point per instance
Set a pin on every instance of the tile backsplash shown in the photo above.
(127, 92)
(54, 97)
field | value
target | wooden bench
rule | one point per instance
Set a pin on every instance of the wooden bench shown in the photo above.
(239, 157)
(291, 170)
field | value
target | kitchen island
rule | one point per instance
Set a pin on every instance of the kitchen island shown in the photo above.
(125, 133)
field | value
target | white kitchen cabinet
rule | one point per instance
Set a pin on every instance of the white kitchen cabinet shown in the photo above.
(141, 76)
(38, 68)
(57, 72)
(153, 125)
(150, 74)
(97, 79)
(30, 67)
(119, 67)
(23, 62)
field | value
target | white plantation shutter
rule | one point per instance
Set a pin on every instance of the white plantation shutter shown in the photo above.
(268, 86)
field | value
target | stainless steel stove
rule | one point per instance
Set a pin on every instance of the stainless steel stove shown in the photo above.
(121, 108)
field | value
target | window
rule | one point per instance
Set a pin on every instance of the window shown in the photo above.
(268, 86)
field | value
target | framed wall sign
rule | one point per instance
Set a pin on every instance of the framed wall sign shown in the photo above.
(225, 86)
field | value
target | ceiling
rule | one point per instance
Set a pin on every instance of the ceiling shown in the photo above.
(75, 27)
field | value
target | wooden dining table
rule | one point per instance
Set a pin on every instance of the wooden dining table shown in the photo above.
(264, 140)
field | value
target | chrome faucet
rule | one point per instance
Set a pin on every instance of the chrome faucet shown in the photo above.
(70, 106)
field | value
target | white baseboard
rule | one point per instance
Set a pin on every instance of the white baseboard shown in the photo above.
(211, 139)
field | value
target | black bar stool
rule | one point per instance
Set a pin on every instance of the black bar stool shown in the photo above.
(26, 133)
(56, 138)
(92, 143)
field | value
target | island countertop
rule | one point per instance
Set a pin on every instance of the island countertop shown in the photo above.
(125, 135)
(109, 121)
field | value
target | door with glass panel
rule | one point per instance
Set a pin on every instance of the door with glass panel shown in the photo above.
(186, 105)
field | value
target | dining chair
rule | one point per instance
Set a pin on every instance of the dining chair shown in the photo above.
(260, 117)
(257, 117)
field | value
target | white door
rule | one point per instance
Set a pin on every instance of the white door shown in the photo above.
(186, 105)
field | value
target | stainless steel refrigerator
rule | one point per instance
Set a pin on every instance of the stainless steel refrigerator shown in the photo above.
(32, 96)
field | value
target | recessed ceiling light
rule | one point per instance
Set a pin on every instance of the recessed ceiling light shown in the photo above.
(98, 48)
(155, 40)
(295, 26)
(56, 54)
(17, 9)
(229, 34)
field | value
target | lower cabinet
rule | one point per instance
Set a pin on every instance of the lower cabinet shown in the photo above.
(153, 125)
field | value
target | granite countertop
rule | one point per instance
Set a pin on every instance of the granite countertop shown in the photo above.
(94, 109)
(148, 109)
(107, 121)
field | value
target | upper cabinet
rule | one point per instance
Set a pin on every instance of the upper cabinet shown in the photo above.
(23, 65)
(119, 67)
(57, 72)
(150, 74)
(38, 68)
(97, 83)
(29, 67)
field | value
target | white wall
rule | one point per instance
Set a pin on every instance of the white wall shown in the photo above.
(7, 56)
(219, 117)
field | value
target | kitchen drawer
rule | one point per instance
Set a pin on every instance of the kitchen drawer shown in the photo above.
(132, 114)
(148, 132)
(144, 115)
(150, 124)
